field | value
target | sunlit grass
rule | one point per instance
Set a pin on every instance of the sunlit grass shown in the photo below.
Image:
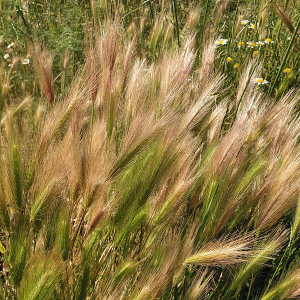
(149, 150)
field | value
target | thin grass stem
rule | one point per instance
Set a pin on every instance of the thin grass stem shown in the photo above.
(284, 59)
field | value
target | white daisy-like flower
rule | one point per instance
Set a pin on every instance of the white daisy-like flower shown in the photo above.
(221, 42)
(251, 44)
(25, 61)
(244, 22)
(6, 56)
(259, 43)
(9, 65)
(289, 38)
(10, 45)
(253, 26)
(260, 81)
(268, 41)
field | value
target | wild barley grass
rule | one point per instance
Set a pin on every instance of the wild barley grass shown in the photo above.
(157, 171)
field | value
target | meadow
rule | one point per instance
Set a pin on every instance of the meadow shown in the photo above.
(149, 149)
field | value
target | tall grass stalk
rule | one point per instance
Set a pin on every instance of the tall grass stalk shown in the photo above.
(270, 92)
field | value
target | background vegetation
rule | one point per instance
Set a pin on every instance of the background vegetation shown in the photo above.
(149, 149)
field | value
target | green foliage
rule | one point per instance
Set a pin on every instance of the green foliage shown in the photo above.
(40, 280)
(19, 252)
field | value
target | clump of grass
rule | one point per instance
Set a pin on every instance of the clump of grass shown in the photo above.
(148, 179)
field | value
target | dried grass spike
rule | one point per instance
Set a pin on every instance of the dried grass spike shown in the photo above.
(43, 62)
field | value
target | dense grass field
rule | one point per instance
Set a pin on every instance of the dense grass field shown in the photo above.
(149, 149)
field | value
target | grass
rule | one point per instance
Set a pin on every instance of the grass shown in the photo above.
(138, 161)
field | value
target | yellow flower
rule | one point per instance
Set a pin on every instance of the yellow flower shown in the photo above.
(229, 59)
(287, 70)
(14, 72)
(241, 44)
(236, 66)
(255, 53)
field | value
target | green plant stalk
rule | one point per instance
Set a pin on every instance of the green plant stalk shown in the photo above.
(145, 2)
(235, 16)
(151, 10)
(285, 58)
(282, 261)
(249, 292)
(202, 224)
(176, 21)
(25, 23)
